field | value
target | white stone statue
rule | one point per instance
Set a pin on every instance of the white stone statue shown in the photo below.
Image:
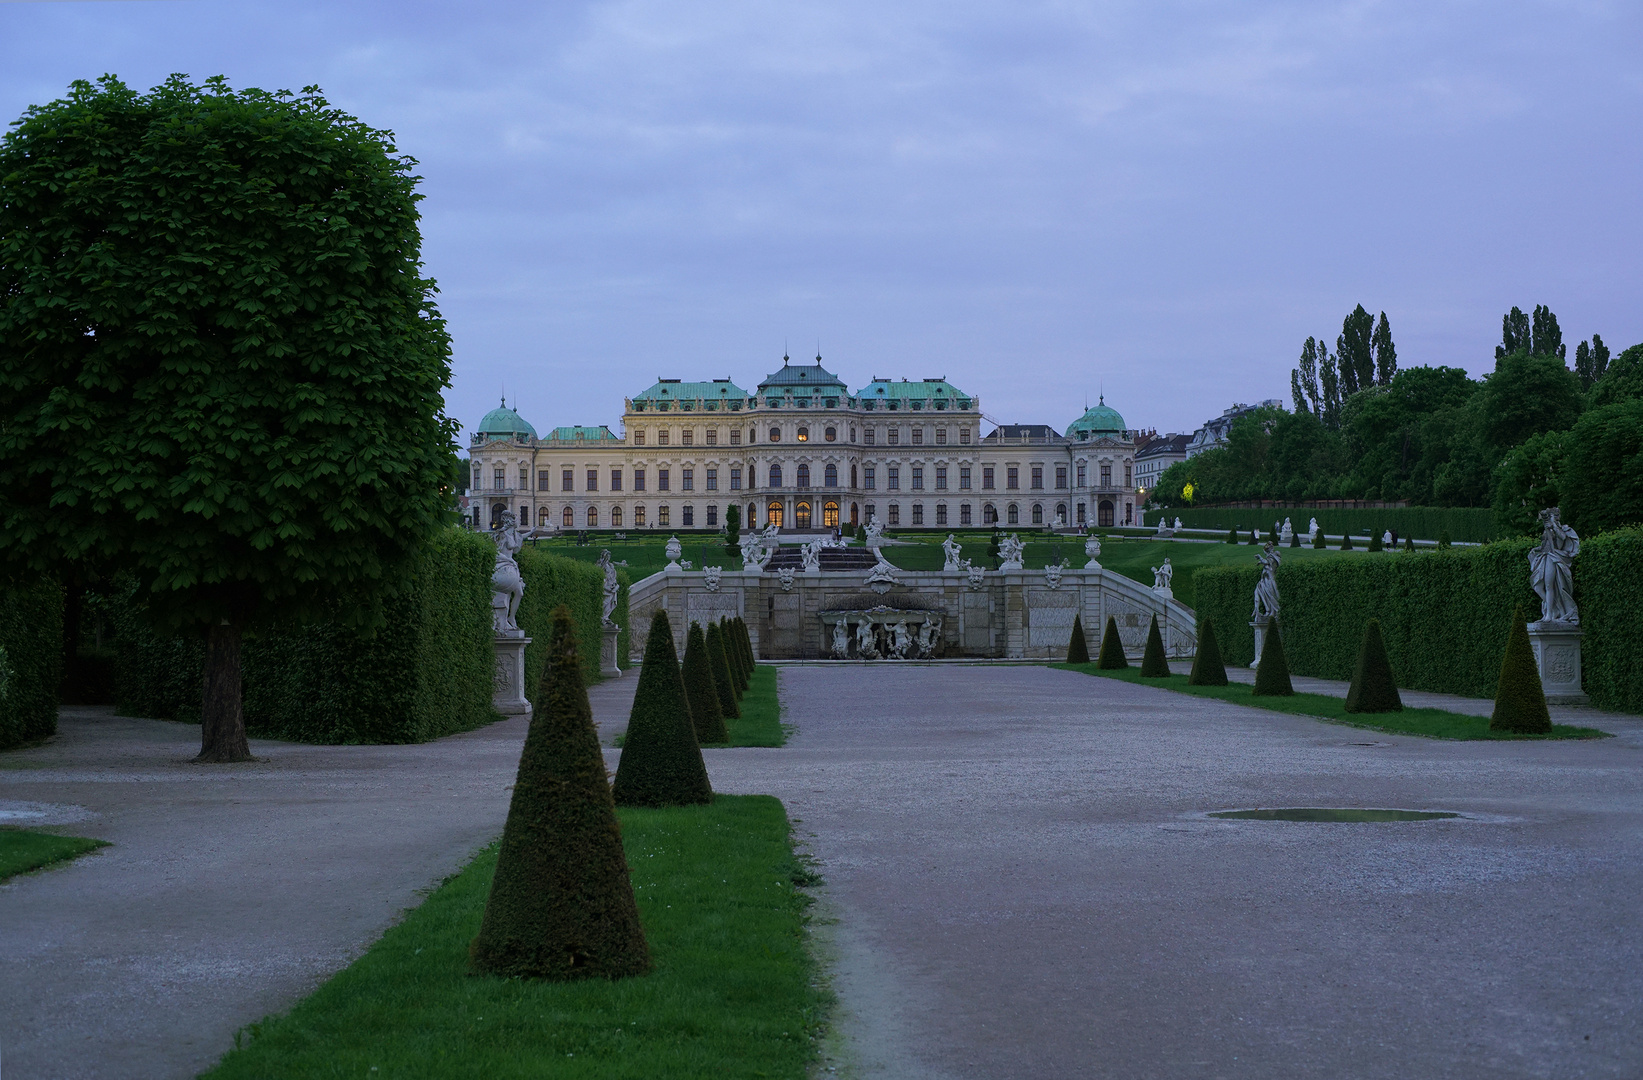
(674, 550)
(1177, 524)
(978, 577)
(1287, 533)
(950, 550)
(612, 588)
(507, 584)
(710, 577)
(1551, 569)
(875, 532)
(1010, 551)
(810, 554)
(754, 555)
(903, 640)
(1162, 575)
(1163, 525)
(1052, 574)
(785, 575)
(929, 635)
(1312, 531)
(1266, 590)
(866, 641)
(1092, 552)
(841, 639)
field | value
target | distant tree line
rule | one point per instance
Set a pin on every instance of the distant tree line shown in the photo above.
(1532, 433)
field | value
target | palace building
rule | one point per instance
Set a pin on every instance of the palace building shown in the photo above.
(804, 452)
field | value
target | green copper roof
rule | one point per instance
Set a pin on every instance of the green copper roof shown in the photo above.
(1097, 420)
(797, 378)
(575, 432)
(924, 394)
(708, 396)
(503, 423)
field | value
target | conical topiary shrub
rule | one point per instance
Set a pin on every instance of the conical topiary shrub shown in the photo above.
(1254, 540)
(1346, 541)
(1272, 673)
(733, 658)
(1294, 539)
(705, 712)
(1375, 542)
(1153, 663)
(1318, 541)
(738, 638)
(1112, 650)
(1520, 699)
(561, 904)
(661, 763)
(1409, 543)
(1078, 650)
(1207, 667)
(1232, 536)
(1373, 688)
(721, 673)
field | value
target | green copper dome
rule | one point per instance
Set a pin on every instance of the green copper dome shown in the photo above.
(1097, 420)
(503, 423)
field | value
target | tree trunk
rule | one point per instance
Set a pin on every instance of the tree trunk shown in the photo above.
(222, 724)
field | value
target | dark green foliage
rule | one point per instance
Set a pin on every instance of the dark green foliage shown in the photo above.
(561, 904)
(1078, 650)
(1346, 541)
(733, 528)
(1409, 543)
(661, 763)
(31, 661)
(1294, 539)
(706, 714)
(1471, 524)
(1443, 540)
(733, 659)
(747, 645)
(1591, 361)
(1272, 673)
(1232, 535)
(1610, 591)
(1526, 395)
(552, 579)
(1254, 540)
(1355, 351)
(1520, 700)
(1622, 382)
(1207, 667)
(23, 850)
(1593, 472)
(1375, 542)
(722, 679)
(1318, 541)
(1373, 689)
(1112, 649)
(1154, 665)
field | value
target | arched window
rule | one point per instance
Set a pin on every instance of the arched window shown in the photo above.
(801, 516)
(616, 517)
(775, 476)
(804, 476)
(1014, 514)
(989, 514)
(1060, 513)
(544, 517)
(804, 434)
(852, 476)
(639, 516)
(497, 510)
(830, 514)
(775, 434)
(855, 515)
(831, 434)
(832, 477)
(773, 514)
(568, 518)
(1103, 514)
(593, 517)
(752, 515)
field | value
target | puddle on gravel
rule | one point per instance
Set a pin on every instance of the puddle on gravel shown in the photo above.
(1332, 814)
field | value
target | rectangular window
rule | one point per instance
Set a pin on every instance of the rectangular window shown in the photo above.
(918, 478)
(662, 516)
(964, 436)
(638, 479)
(712, 516)
(1106, 476)
(661, 440)
(735, 436)
(964, 478)
(713, 437)
(1060, 477)
(941, 440)
(688, 438)
(941, 513)
(871, 510)
(918, 440)
(688, 518)
(687, 481)
(567, 480)
(638, 440)
(499, 479)
(661, 479)
(616, 479)
(713, 480)
(868, 474)
(895, 514)
(1081, 515)
(894, 435)
(892, 478)
(1081, 478)
(867, 436)
(1012, 477)
(964, 513)
(918, 513)
(1128, 476)
(593, 479)
(1038, 478)
(544, 480)
(941, 478)
(736, 478)
(987, 477)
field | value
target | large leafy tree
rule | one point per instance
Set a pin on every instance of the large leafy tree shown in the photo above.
(221, 367)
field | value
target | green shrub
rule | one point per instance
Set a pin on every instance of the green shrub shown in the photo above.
(1346, 541)
(561, 904)
(1078, 650)
(1373, 688)
(1609, 591)
(1294, 539)
(1154, 665)
(722, 680)
(552, 579)
(1232, 536)
(31, 661)
(1409, 543)
(1272, 673)
(1254, 540)
(1112, 649)
(706, 717)
(1207, 667)
(1375, 542)
(1318, 541)
(1443, 540)
(661, 762)
(1520, 700)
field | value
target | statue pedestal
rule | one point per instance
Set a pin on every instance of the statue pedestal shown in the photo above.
(1169, 594)
(508, 686)
(1259, 624)
(1557, 655)
(607, 653)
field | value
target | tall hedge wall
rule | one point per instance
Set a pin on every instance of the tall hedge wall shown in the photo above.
(1444, 614)
(31, 635)
(427, 673)
(551, 580)
(1609, 593)
(1462, 523)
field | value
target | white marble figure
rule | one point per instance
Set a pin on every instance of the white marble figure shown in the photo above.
(710, 577)
(1009, 552)
(612, 587)
(928, 635)
(866, 641)
(1177, 524)
(811, 555)
(674, 549)
(1092, 552)
(875, 532)
(978, 577)
(1551, 569)
(785, 574)
(903, 640)
(841, 639)
(1163, 525)
(754, 555)
(1286, 534)
(1161, 575)
(1266, 589)
(1312, 531)
(505, 579)
(950, 549)
(1052, 574)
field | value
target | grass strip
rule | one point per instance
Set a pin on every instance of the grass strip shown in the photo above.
(1433, 723)
(734, 992)
(22, 850)
(761, 721)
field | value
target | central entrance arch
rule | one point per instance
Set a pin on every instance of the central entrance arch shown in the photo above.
(801, 515)
(1103, 514)
(773, 514)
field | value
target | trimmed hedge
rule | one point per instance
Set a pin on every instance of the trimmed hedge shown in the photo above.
(551, 580)
(1475, 524)
(1609, 593)
(31, 652)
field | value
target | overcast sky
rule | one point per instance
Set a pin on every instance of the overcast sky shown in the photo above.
(1036, 200)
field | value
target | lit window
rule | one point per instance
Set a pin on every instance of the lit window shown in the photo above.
(639, 516)
(568, 518)
(804, 434)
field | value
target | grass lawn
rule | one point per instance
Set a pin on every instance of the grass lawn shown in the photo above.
(734, 992)
(22, 850)
(761, 721)
(649, 556)
(1433, 723)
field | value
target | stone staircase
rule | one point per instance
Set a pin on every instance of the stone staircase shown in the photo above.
(850, 558)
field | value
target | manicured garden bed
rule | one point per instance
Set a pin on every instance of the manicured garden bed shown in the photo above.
(734, 992)
(1433, 723)
(22, 850)
(761, 721)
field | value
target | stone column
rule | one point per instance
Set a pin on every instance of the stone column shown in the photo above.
(508, 685)
(1557, 655)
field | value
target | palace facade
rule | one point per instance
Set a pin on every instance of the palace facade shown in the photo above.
(803, 451)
